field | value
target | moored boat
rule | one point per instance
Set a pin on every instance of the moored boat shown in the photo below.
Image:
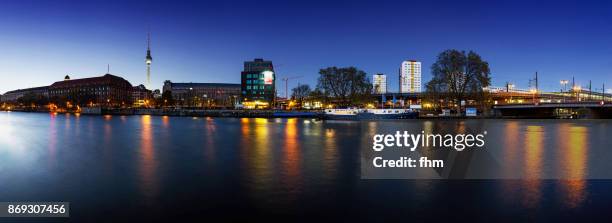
(285, 114)
(369, 114)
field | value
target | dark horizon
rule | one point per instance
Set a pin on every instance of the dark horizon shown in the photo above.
(209, 41)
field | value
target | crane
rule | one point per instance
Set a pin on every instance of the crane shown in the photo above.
(286, 80)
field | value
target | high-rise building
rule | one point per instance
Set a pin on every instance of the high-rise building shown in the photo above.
(379, 84)
(148, 60)
(258, 83)
(410, 77)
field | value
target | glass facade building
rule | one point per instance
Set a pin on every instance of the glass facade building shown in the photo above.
(258, 82)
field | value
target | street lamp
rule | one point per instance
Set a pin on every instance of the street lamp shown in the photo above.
(564, 84)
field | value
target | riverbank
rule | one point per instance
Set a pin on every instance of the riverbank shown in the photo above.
(235, 113)
(242, 113)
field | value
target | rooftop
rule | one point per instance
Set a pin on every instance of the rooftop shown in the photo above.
(27, 89)
(106, 79)
(190, 84)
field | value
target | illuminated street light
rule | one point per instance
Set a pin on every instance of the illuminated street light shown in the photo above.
(564, 83)
(564, 89)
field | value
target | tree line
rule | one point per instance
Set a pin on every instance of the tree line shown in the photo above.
(342, 86)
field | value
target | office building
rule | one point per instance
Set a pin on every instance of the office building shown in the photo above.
(379, 84)
(36, 92)
(410, 77)
(141, 96)
(203, 94)
(258, 84)
(107, 90)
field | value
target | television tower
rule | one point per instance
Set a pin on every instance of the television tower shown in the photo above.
(148, 60)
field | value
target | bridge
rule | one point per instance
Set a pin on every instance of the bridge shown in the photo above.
(502, 96)
(555, 110)
(527, 104)
(555, 105)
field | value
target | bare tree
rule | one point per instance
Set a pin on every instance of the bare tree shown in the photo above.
(347, 86)
(300, 92)
(459, 75)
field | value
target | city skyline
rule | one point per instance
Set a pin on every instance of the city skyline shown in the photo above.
(197, 42)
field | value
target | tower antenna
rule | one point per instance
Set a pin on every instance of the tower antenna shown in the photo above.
(148, 59)
(149, 39)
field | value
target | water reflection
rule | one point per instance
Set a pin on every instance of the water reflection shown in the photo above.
(511, 148)
(532, 185)
(165, 121)
(107, 145)
(67, 125)
(52, 142)
(534, 141)
(256, 152)
(510, 153)
(291, 161)
(209, 146)
(11, 142)
(330, 153)
(147, 158)
(573, 147)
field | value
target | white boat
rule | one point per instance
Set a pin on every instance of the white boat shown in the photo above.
(369, 114)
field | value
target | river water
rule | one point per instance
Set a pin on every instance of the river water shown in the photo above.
(224, 169)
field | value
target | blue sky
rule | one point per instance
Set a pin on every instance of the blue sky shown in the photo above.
(207, 41)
